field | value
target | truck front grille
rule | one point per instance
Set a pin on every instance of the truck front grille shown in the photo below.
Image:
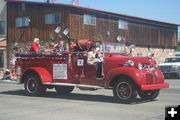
(149, 79)
(164, 67)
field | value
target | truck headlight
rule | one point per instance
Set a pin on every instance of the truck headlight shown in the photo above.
(140, 66)
(130, 62)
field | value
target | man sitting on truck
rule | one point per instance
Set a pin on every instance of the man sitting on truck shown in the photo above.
(92, 59)
(35, 47)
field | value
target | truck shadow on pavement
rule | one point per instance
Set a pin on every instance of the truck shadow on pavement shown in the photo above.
(77, 96)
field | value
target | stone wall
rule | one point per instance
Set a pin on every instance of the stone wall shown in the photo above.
(159, 53)
(23, 47)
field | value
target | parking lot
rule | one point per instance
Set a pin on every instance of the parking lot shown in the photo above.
(82, 105)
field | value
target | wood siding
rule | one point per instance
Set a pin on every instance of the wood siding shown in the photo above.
(37, 27)
(140, 32)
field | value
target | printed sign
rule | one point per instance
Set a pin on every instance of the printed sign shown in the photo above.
(59, 71)
(80, 62)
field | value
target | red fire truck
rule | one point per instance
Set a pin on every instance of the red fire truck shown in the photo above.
(127, 76)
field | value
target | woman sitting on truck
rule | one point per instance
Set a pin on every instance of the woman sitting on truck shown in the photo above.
(51, 47)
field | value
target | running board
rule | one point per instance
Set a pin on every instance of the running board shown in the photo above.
(75, 85)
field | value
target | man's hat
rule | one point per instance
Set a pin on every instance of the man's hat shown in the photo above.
(36, 39)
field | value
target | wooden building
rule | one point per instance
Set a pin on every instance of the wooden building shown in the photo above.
(27, 20)
(3, 19)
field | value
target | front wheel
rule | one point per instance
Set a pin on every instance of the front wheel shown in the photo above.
(149, 95)
(33, 86)
(64, 89)
(124, 91)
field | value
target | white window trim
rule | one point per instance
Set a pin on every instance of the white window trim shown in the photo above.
(4, 31)
(24, 22)
(52, 18)
(122, 24)
(89, 23)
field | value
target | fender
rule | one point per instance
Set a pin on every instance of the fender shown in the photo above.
(160, 76)
(42, 73)
(131, 72)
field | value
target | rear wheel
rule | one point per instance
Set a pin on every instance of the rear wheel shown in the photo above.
(149, 95)
(124, 91)
(64, 89)
(33, 86)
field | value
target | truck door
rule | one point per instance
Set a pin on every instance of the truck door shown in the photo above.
(87, 73)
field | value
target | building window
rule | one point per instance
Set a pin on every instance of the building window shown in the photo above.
(22, 21)
(2, 27)
(1, 60)
(140, 54)
(89, 19)
(53, 18)
(122, 24)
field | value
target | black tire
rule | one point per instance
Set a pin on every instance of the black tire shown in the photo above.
(149, 95)
(124, 91)
(33, 86)
(64, 89)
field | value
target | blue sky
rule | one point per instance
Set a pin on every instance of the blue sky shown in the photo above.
(162, 10)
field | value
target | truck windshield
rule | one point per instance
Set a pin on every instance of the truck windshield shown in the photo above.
(172, 60)
(113, 48)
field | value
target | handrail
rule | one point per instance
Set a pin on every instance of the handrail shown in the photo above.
(47, 53)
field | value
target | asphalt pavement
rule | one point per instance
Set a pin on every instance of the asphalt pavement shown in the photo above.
(82, 105)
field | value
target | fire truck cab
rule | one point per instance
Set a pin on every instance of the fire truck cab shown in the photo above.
(127, 76)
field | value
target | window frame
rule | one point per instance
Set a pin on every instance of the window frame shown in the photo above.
(140, 54)
(92, 17)
(2, 60)
(52, 18)
(23, 22)
(123, 24)
(3, 28)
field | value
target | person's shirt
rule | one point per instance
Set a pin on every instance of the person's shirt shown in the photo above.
(51, 49)
(72, 47)
(35, 48)
(61, 48)
(91, 58)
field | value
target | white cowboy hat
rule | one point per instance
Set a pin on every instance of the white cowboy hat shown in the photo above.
(36, 39)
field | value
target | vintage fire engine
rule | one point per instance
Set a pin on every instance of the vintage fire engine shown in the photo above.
(127, 76)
